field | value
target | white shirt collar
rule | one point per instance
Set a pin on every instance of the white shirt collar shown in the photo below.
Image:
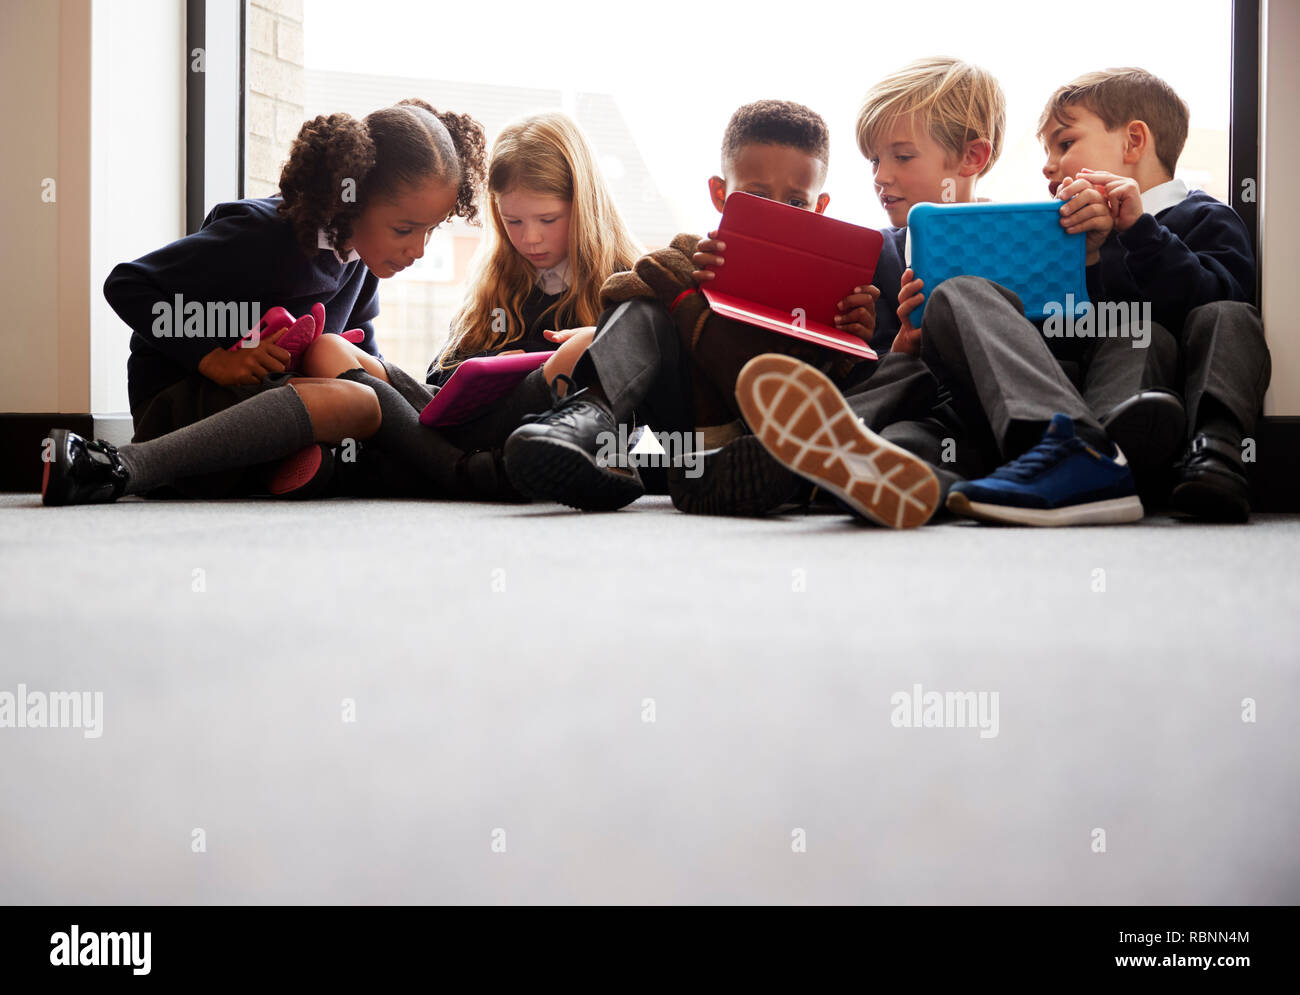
(556, 279)
(323, 242)
(1163, 196)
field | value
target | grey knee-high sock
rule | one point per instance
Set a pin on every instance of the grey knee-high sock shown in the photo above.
(425, 450)
(265, 427)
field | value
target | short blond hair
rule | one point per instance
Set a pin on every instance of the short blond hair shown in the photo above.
(959, 103)
(1119, 96)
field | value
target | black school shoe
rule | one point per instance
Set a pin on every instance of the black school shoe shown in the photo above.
(557, 455)
(741, 478)
(1149, 427)
(1210, 482)
(82, 471)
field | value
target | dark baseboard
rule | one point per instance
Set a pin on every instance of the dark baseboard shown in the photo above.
(23, 435)
(1274, 475)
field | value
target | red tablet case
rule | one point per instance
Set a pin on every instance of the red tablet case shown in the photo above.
(780, 258)
(475, 384)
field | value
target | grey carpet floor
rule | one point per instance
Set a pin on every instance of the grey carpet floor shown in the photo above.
(356, 702)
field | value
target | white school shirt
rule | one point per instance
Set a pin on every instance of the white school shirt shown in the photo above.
(556, 279)
(323, 242)
(1163, 196)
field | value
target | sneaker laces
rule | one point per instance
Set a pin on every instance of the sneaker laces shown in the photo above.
(1029, 464)
(560, 404)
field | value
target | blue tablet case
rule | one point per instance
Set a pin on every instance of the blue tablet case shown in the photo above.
(1020, 246)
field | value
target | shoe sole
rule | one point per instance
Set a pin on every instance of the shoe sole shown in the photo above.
(740, 479)
(300, 475)
(804, 422)
(554, 470)
(1114, 511)
(1150, 435)
(54, 496)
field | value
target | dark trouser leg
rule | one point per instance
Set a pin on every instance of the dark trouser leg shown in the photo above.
(636, 361)
(1117, 368)
(1225, 361)
(998, 365)
(900, 388)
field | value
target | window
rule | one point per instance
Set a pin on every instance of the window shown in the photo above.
(653, 86)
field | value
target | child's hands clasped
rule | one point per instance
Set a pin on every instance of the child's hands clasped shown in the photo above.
(1086, 210)
(858, 313)
(1122, 193)
(910, 296)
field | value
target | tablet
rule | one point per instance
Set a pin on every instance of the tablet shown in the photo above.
(1020, 246)
(786, 270)
(476, 383)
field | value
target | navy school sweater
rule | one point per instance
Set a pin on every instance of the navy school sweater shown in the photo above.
(245, 254)
(1193, 253)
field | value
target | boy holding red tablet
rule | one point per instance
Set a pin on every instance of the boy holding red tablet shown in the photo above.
(661, 355)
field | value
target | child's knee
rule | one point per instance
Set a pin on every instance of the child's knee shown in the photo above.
(363, 414)
(326, 358)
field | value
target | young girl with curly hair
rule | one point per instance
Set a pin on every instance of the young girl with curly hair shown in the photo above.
(357, 203)
(555, 237)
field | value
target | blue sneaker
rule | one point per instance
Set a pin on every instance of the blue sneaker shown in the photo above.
(1061, 481)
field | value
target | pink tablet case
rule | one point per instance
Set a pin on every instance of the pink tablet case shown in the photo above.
(780, 259)
(475, 384)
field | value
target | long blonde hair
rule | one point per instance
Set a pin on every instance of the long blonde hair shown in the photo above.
(543, 154)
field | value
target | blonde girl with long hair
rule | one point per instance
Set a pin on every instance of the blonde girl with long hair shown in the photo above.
(553, 239)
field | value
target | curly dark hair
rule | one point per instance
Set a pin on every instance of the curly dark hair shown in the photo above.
(776, 122)
(385, 151)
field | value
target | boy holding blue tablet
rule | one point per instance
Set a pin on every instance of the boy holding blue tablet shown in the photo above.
(931, 131)
(1185, 253)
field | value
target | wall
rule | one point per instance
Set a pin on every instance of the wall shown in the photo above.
(1280, 201)
(29, 270)
(276, 84)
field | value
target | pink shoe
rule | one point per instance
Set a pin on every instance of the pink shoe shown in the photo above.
(303, 475)
(297, 339)
(274, 319)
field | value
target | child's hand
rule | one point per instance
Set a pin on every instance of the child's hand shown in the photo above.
(1085, 210)
(230, 368)
(1123, 196)
(707, 253)
(910, 296)
(858, 313)
(564, 334)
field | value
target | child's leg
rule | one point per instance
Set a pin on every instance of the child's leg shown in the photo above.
(634, 364)
(1116, 368)
(448, 469)
(265, 427)
(1227, 369)
(331, 355)
(1128, 382)
(1227, 372)
(997, 364)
